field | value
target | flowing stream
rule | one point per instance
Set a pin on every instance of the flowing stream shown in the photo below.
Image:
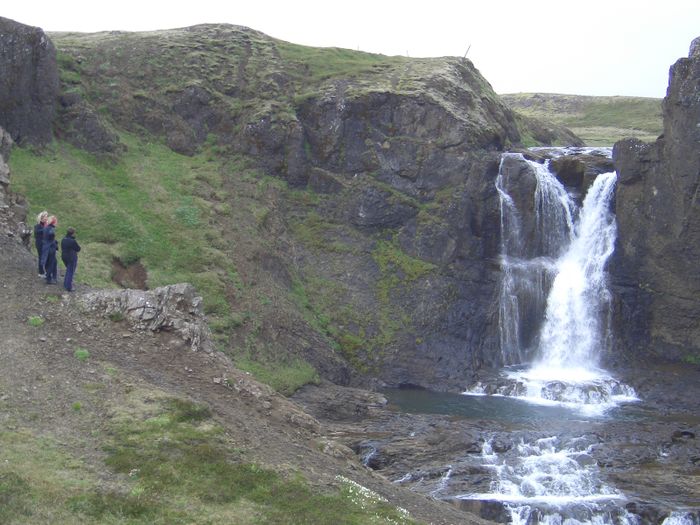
(553, 415)
(554, 327)
(551, 481)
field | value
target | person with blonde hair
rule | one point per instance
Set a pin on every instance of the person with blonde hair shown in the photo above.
(39, 238)
(48, 250)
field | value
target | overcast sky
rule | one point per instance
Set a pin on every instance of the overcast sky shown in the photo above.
(592, 47)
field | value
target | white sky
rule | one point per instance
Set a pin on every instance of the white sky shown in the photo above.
(592, 47)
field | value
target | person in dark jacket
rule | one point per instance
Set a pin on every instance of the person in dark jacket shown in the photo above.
(69, 255)
(39, 239)
(48, 250)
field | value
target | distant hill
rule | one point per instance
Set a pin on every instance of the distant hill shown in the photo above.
(599, 121)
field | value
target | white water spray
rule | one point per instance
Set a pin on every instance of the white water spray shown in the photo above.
(554, 301)
(550, 482)
(574, 329)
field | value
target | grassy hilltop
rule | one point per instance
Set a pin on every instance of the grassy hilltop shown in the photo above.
(599, 121)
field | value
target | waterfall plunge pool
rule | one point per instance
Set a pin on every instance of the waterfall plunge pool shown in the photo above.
(500, 407)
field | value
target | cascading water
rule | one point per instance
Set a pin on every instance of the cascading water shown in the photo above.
(550, 481)
(554, 317)
(573, 332)
(528, 264)
(554, 302)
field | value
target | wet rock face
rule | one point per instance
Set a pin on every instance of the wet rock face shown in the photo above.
(175, 308)
(28, 84)
(655, 267)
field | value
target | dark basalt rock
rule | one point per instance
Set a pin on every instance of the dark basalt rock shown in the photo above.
(79, 124)
(374, 208)
(656, 278)
(322, 181)
(28, 84)
(569, 171)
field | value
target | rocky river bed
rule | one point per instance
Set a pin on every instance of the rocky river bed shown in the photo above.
(511, 461)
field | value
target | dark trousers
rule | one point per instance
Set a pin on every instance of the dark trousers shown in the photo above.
(43, 258)
(39, 260)
(51, 267)
(70, 272)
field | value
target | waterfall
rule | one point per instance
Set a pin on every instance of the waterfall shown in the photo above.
(526, 264)
(509, 318)
(554, 304)
(575, 326)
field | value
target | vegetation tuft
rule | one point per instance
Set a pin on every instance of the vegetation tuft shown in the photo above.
(81, 354)
(15, 497)
(116, 317)
(36, 321)
(286, 376)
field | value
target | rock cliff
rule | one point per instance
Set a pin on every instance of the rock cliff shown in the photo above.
(400, 154)
(28, 84)
(655, 267)
(397, 157)
(13, 208)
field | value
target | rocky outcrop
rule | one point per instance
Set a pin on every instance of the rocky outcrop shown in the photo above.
(414, 141)
(547, 133)
(175, 308)
(79, 124)
(5, 147)
(13, 208)
(28, 84)
(655, 266)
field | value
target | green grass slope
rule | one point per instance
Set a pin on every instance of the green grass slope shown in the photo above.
(175, 465)
(201, 219)
(599, 121)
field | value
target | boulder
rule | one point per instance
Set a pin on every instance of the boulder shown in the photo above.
(28, 84)
(175, 308)
(331, 402)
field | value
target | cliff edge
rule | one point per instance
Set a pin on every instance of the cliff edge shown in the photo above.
(655, 268)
